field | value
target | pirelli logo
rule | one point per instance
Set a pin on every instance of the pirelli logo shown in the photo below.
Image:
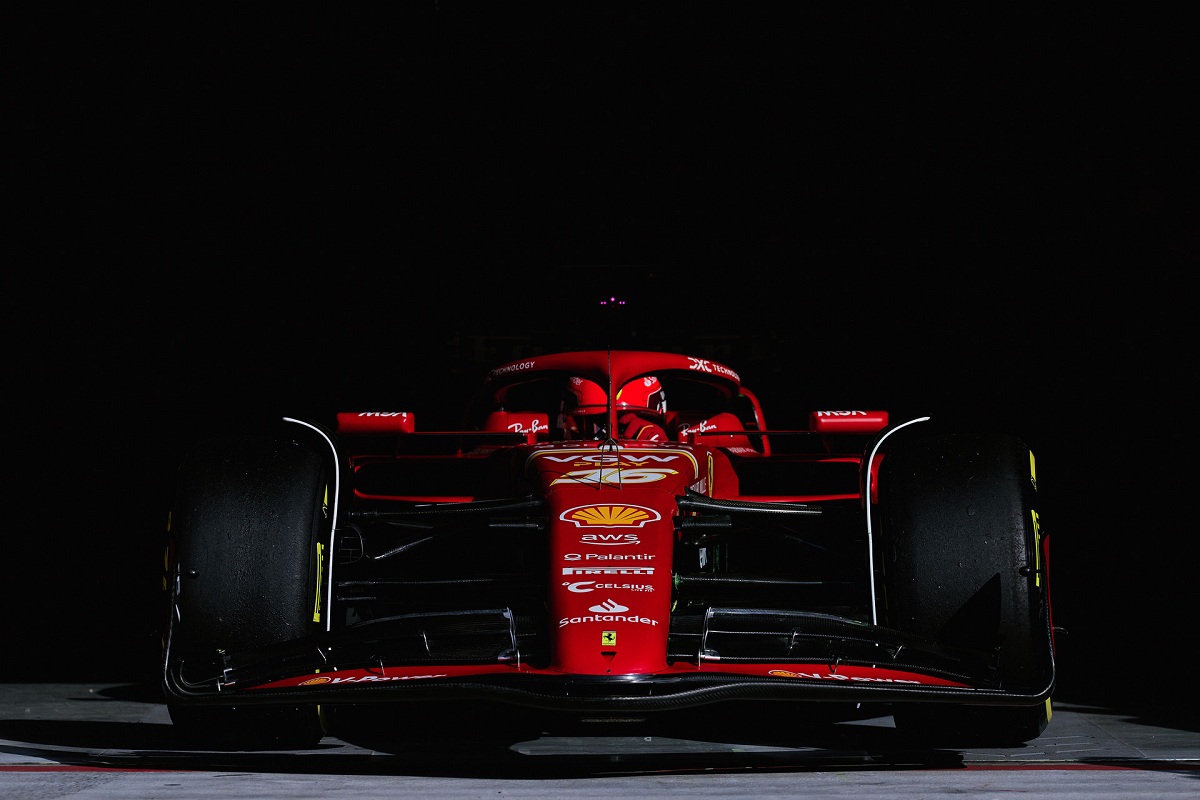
(608, 571)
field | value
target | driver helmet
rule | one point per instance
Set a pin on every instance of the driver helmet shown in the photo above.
(586, 405)
(645, 396)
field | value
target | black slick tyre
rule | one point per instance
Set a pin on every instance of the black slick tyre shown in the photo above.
(250, 517)
(961, 563)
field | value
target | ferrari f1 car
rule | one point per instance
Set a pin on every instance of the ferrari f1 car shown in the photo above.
(608, 532)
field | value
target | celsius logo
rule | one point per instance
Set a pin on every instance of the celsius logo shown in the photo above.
(610, 516)
(608, 607)
(580, 587)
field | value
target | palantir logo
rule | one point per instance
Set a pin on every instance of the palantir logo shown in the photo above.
(608, 607)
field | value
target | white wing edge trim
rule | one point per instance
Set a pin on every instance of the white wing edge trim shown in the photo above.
(867, 499)
(337, 484)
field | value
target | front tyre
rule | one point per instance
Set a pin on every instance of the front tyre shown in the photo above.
(961, 558)
(250, 521)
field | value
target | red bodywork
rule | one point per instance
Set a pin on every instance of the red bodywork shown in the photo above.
(610, 605)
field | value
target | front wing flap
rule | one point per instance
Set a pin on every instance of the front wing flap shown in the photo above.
(831, 659)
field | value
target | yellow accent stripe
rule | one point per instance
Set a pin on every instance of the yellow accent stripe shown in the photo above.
(1037, 549)
(1037, 530)
(320, 579)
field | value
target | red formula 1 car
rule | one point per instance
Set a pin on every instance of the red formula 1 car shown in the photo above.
(609, 532)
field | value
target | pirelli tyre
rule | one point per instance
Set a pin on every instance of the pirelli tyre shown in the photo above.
(962, 563)
(249, 521)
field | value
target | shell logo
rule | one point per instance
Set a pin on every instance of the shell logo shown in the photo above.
(610, 516)
(316, 681)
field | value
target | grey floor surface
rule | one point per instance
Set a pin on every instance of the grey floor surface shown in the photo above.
(96, 740)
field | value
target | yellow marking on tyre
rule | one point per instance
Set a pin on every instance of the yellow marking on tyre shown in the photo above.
(1037, 549)
(1037, 531)
(320, 578)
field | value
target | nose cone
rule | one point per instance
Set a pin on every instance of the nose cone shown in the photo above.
(612, 537)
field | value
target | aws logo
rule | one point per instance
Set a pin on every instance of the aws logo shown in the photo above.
(609, 539)
(611, 516)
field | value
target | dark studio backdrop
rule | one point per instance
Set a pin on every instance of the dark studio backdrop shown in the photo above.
(982, 215)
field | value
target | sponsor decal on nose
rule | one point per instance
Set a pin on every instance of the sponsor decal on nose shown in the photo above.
(608, 607)
(610, 516)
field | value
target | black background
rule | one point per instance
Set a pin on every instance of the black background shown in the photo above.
(988, 215)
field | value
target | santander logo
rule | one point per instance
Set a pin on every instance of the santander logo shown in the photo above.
(608, 607)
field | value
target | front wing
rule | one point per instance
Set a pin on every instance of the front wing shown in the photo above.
(357, 666)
